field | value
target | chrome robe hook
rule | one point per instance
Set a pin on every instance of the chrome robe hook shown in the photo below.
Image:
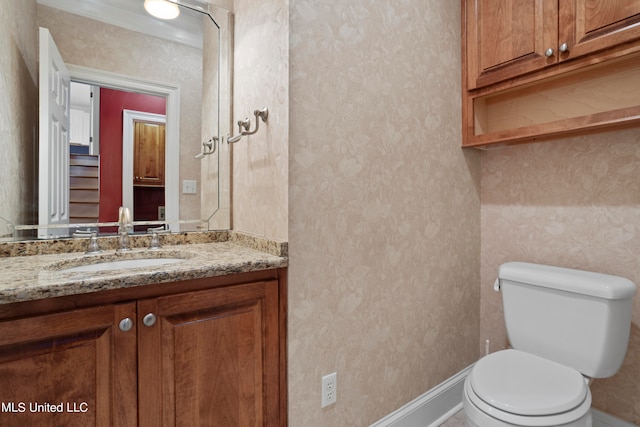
(245, 125)
(208, 147)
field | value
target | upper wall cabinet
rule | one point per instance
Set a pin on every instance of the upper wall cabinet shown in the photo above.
(508, 39)
(541, 69)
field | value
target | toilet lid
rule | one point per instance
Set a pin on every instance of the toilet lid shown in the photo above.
(523, 384)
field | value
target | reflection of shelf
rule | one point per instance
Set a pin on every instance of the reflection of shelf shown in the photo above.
(84, 190)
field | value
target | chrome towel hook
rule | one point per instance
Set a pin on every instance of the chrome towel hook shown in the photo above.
(208, 147)
(245, 125)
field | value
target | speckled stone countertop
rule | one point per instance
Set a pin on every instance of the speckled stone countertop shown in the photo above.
(26, 278)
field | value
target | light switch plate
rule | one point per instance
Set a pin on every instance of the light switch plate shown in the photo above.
(189, 186)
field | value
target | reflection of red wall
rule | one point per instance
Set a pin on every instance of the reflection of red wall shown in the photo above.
(112, 102)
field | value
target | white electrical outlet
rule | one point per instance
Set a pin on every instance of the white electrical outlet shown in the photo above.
(329, 389)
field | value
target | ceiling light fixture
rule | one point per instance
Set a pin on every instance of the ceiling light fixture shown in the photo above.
(162, 9)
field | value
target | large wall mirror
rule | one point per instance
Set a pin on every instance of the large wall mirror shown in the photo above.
(148, 106)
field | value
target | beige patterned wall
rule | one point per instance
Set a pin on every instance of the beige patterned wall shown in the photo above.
(18, 112)
(383, 207)
(94, 44)
(574, 203)
(261, 79)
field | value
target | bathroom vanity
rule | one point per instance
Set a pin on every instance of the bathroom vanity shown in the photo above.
(200, 341)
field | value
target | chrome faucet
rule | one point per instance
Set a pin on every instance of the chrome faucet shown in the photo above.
(125, 225)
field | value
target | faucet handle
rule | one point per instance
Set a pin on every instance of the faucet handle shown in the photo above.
(93, 247)
(155, 241)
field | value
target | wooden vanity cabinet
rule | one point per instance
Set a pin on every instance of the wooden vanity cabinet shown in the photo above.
(79, 362)
(210, 358)
(507, 39)
(200, 352)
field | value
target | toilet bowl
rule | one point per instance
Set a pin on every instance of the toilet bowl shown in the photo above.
(513, 388)
(563, 325)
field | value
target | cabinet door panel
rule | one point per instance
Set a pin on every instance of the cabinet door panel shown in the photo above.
(591, 25)
(214, 358)
(508, 38)
(149, 150)
(68, 369)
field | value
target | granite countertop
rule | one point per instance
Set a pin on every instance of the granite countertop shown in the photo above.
(26, 278)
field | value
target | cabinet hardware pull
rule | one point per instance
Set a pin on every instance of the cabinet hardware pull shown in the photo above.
(149, 319)
(126, 324)
(548, 52)
(564, 47)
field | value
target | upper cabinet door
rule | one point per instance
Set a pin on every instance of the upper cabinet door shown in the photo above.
(509, 38)
(587, 26)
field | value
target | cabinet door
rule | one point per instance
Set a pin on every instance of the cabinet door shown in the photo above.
(588, 26)
(210, 358)
(506, 39)
(69, 369)
(148, 162)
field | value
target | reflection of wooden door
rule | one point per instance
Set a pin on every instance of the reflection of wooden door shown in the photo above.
(53, 182)
(148, 154)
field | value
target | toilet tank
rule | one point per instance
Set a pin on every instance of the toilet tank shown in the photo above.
(577, 318)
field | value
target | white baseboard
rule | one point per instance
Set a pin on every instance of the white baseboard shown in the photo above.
(430, 409)
(443, 401)
(601, 419)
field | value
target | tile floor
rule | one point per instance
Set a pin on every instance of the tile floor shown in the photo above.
(458, 420)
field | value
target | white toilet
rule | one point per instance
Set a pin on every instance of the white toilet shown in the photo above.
(564, 326)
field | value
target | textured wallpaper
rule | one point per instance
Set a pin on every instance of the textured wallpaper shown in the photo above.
(383, 207)
(574, 203)
(18, 113)
(261, 79)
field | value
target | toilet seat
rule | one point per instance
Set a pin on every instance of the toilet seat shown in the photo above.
(521, 389)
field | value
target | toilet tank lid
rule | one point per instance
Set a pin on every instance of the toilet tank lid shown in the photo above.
(569, 280)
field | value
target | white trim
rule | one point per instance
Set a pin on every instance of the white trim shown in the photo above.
(432, 408)
(128, 118)
(172, 154)
(443, 401)
(132, 19)
(601, 419)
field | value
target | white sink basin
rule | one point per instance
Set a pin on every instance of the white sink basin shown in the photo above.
(121, 264)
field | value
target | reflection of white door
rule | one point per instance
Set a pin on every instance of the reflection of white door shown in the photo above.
(129, 117)
(53, 184)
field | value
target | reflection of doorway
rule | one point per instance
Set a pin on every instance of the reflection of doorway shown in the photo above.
(143, 168)
(172, 97)
(116, 159)
(84, 116)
